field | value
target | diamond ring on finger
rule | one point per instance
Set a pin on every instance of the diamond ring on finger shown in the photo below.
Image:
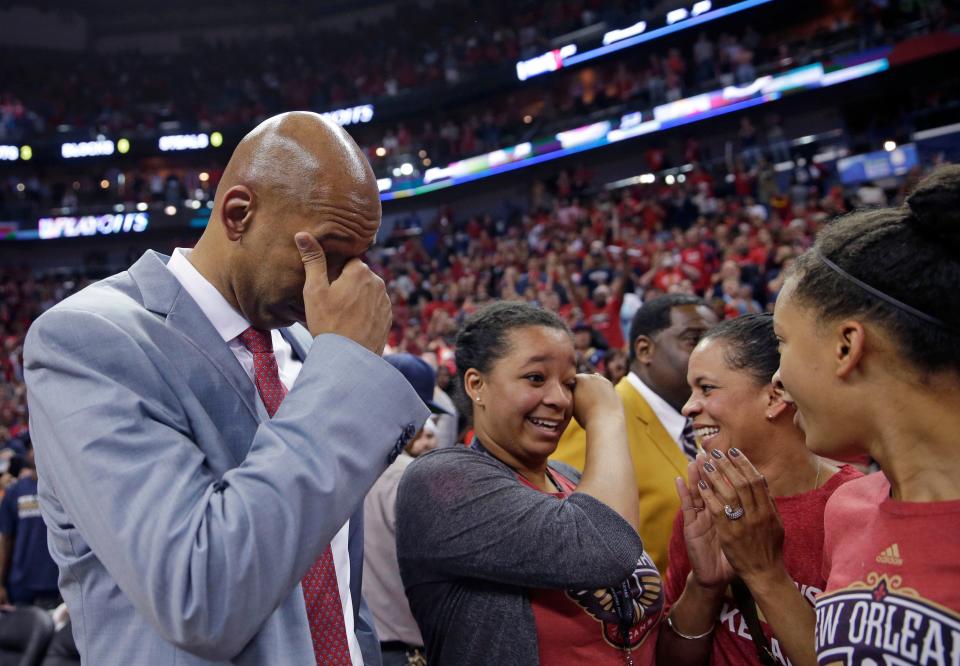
(731, 513)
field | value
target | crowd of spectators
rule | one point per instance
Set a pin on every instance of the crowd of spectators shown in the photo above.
(228, 83)
(594, 255)
(638, 81)
(235, 84)
(23, 297)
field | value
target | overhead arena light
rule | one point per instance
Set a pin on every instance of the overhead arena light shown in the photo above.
(184, 142)
(677, 15)
(614, 40)
(353, 115)
(92, 225)
(624, 33)
(99, 148)
(632, 124)
(550, 61)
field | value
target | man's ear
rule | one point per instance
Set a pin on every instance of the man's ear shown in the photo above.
(236, 211)
(472, 385)
(850, 346)
(644, 348)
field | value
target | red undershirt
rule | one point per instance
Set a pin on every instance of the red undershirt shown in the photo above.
(576, 627)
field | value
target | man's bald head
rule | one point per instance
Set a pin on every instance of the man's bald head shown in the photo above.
(294, 157)
(294, 172)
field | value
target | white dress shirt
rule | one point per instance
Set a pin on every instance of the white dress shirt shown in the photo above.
(672, 420)
(230, 324)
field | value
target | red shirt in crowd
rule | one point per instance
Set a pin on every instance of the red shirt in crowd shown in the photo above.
(802, 517)
(577, 627)
(667, 278)
(893, 579)
(433, 306)
(696, 257)
(606, 320)
(758, 255)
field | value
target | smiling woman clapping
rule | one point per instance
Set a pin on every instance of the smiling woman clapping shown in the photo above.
(507, 559)
(739, 412)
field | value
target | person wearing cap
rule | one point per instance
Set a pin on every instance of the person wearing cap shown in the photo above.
(447, 421)
(589, 356)
(602, 311)
(400, 640)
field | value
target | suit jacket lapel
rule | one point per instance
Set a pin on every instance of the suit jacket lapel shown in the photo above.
(163, 294)
(657, 434)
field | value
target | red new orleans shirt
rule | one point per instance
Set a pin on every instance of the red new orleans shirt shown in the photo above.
(802, 517)
(577, 627)
(893, 579)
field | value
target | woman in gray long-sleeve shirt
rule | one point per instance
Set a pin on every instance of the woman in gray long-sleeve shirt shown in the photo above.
(507, 559)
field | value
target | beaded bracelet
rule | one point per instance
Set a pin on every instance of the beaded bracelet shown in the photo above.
(684, 636)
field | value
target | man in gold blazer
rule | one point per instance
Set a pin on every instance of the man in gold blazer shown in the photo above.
(662, 334)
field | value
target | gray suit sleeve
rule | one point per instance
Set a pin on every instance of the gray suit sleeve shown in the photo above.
(205, 559)
(462, 515)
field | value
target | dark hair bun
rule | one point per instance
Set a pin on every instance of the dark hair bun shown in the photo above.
(935, 206)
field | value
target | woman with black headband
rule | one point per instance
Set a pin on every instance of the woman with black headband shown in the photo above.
(869, 330)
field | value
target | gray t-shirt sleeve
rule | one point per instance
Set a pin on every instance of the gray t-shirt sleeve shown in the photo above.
(462, 514)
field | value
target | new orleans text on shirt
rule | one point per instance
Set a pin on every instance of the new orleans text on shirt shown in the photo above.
(883, 623)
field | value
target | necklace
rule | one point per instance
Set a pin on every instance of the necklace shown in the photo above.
(816, 483)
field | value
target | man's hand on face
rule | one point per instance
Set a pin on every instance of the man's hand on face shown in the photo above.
(355, 305)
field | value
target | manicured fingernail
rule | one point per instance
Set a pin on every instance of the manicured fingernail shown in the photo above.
(702, 484)
(716, 454)
(709, 467)
(735, 452)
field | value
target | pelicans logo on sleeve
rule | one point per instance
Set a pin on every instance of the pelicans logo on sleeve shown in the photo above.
(646, 599)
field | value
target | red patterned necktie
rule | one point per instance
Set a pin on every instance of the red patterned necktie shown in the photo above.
(320, 589)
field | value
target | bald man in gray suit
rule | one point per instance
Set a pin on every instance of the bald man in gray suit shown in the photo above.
(206, 425)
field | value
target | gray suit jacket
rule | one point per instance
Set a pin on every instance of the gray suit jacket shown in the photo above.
(181, 517)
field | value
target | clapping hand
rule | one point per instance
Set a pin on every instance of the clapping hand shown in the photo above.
(744, 516)
(707, 561)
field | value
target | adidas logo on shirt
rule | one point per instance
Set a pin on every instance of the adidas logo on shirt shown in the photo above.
(891, 555)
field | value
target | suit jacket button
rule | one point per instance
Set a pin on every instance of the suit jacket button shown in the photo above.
(395, 451)
(409, 432)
